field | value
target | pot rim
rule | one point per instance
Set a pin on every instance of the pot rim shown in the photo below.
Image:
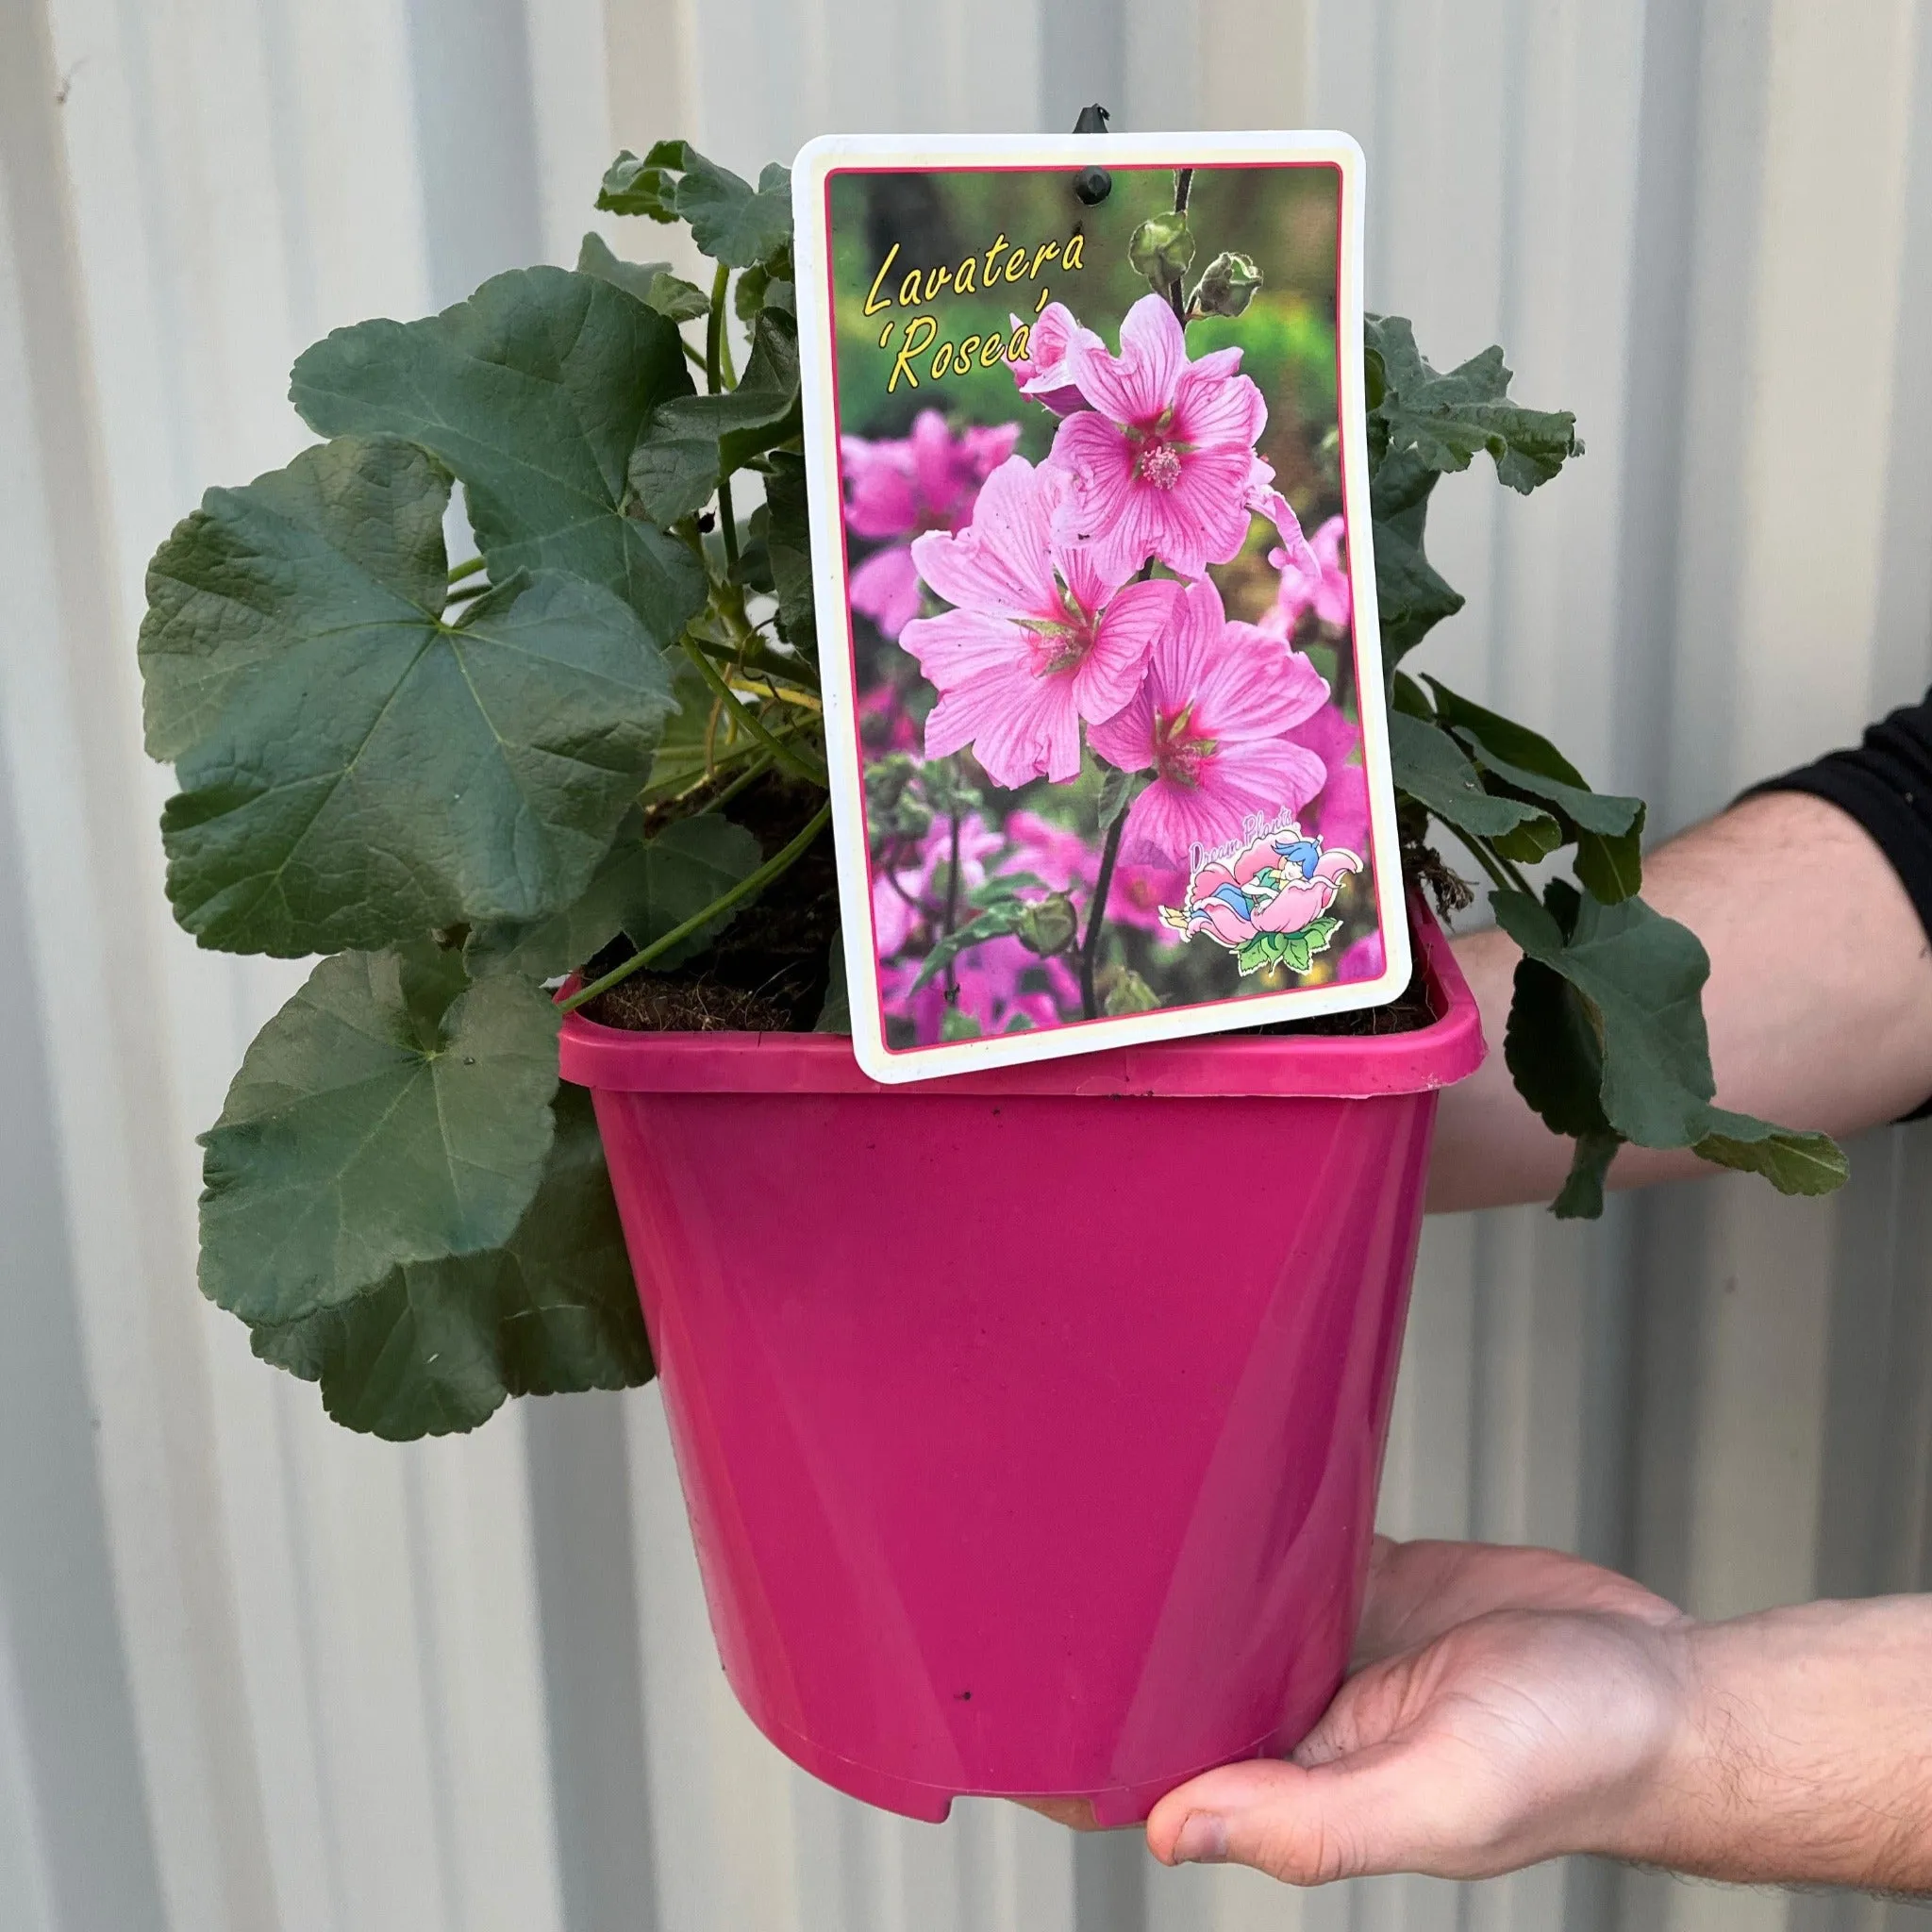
(1215, 1066)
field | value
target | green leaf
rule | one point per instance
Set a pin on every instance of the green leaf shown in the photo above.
(1594, 811)
(1430, 766)
(836, 1014)
(1532, 840)
(651, 282)
(647, 187)
(1117, 791)
(1296, 952)
(1128, 993)
(533, 392)
(1643, 975)
(731, 220)
(1411, 595)
(1581, 1197)
(1406, 694)
(436, 1346)
(1792, 1162)
(461, 772)
(1611, 868)
(999, 921)
(645, 888)
(673, 877)
(759, 288)
(1445, 420)
(1608, 829)
(693, 440)
(1551, 1049)
(392, 1112)
(1258, 953)
(958, 1025)
(1320, 932)
(782, 521)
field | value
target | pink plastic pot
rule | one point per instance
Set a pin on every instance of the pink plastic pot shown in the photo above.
(1029, 1421)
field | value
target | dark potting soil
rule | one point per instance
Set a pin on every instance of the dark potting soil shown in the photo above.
(768, 971)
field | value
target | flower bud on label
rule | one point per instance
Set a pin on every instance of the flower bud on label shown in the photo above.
(1227, 286)
(1161, 248)
(1128, 993)
(1049, 925)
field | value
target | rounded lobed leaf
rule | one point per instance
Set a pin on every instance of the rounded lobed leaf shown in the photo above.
(437, 1346)
(392, 1112)
(460, 772)
(533, 393)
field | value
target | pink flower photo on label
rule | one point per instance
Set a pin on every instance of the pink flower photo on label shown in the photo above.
(1043, 372)
(1211, 721)
(986, 990)
(903, 896)
(1313, 577)
(1040, 637)
(1163, 461)
(895, 491)
(1069, 863)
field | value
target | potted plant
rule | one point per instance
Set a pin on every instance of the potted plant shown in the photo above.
(1022, 1455)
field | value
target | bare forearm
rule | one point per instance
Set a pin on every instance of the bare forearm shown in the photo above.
(1819, 1004)
(1804, 1755)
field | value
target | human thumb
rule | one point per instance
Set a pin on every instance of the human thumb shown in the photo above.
(1304, 1826)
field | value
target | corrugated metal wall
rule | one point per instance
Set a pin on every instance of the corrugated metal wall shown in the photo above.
(258, 1675)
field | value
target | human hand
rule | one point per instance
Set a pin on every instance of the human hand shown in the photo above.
(1507, 1705)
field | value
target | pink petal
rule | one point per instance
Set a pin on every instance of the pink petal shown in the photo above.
(883, 502)
(1139, 383)
(1296, 906)
(1167, 821)
(1116, 663)
(933, 463)
(1223, 922)
(1126, 741)
(1255, 688)
(886, 588)
(1002, 563)
(1213, 407)
(1019, 726)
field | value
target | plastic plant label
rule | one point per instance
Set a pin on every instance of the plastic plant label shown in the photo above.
(1088, 472)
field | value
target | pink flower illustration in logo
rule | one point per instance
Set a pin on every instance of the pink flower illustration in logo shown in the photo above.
(1039, 638)
(1041, 372)
(897, 489)
(1163, 461)
(1267, 902)
(1212, 721)
(1314, 579)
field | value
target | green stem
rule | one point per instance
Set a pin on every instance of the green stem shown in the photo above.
(697, 356)
(728, 522)
(1183, 188)
(953, 911)
(752, 654)
(718, 372)
(782, 862)
(467, 567)
(785, 754)
(752, 774)
(1489, 862)
(1096, 917)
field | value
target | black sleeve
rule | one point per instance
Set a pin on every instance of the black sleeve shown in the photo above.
(1886, 784)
